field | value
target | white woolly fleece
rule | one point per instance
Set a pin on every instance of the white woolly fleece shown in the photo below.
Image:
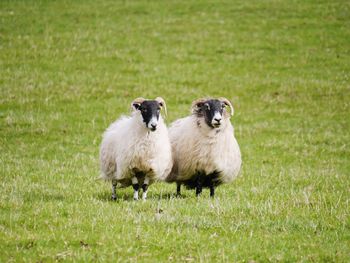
(127, 145)
(198, 147)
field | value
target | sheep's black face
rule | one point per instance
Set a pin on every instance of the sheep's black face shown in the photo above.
(150, 110)
(212, 111)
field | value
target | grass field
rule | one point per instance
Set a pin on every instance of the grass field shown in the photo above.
(70, 68)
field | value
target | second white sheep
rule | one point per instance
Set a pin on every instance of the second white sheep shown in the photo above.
(205, 151)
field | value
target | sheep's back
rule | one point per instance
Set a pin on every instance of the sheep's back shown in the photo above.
(109, 146)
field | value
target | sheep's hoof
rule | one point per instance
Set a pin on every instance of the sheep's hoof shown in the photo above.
(136, 196)
(114, 198)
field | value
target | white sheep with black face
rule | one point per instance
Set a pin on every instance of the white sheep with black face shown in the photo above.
(136, 150)
(205, 151)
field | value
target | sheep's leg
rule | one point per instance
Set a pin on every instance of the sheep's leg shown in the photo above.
(135, 185)
(114, 187)
(199, 185)
(212, 190)
(178, 189)
(145, 188)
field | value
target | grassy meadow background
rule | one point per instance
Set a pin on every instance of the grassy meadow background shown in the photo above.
(70, 68)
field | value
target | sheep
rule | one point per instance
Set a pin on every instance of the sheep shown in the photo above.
(136, 150)
(205, 151)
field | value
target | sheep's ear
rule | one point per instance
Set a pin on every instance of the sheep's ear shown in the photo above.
(135, 105)
(162, 104)
(228, 103)
(197, 104)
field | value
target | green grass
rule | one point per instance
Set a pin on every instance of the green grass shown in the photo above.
(68, 69)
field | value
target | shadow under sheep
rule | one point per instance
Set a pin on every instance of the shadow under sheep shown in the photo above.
(126, 195)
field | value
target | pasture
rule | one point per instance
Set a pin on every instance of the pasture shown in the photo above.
(70, 68)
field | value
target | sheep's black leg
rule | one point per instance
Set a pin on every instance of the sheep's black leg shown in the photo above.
(135, 185)
(198, 189)
(212, 190)
(178, 189)
(145, 188)
(199, 185)
(114, 186)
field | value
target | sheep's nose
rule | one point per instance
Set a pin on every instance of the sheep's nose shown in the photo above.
(154, 126)
(218, 120)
